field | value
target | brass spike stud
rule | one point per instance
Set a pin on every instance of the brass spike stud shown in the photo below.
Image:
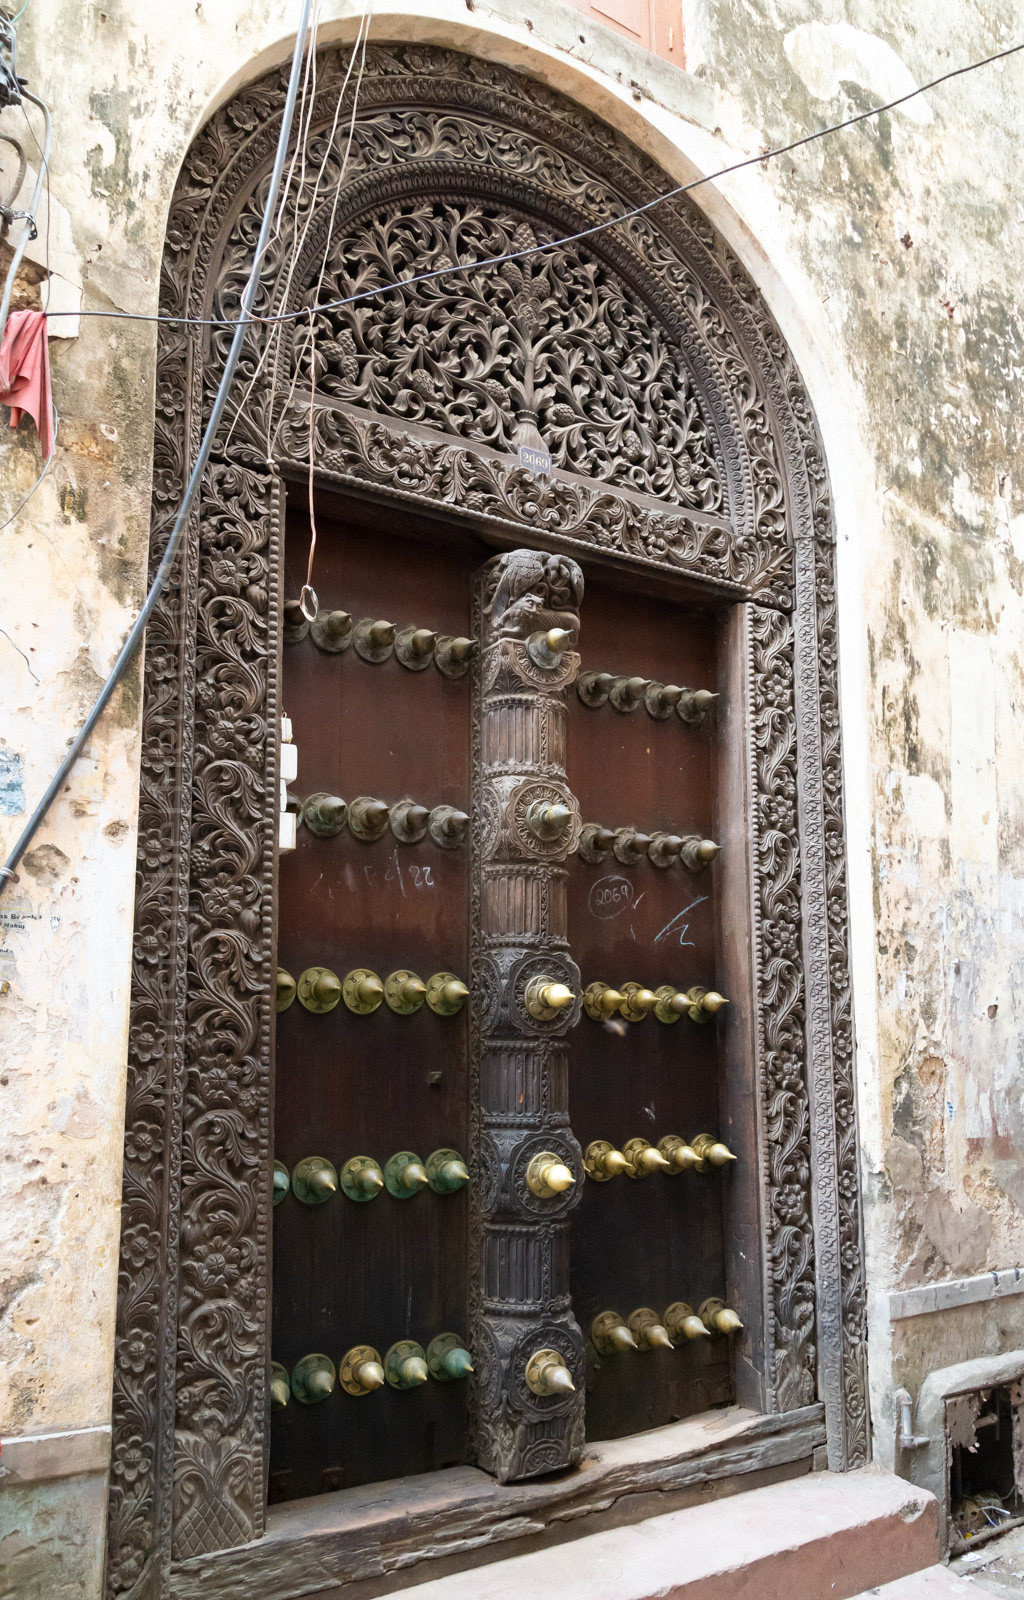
(680, 1156)
(671, 1003)
(602, 1162)
(548, 1176)
(313, 1379)
(547, 820)
(368, 818)
(404, 1175)
(707, 1148)
(648, 1331)
(595, 843)
(664, 849)
(547, 1374)
(374, 641)
(717, 1317)
(332, 631)
(446, 1171)
(704, 1004)
(447, 1358)
(362, 990)
(414, 648)
(637, 1002)
(446, 994)
(627, 693)
(286, 987)
(282, 1182)
(683, 1322)
(609, 1334)
(360, 1370)
(324, 814)
(314, 1181)
(448, 827)
(600, 1000)
(361, 1178)
(280, 1386)
(319, 989)
(295, 622)
(661, 699)
(630, 846)
(698, 853)
(404, 992)
(405, 1365)
(546, 648)
(642, 1158)
(545, 998)
(594, 688)
(409, 821)
(454, 656)
(694, 705)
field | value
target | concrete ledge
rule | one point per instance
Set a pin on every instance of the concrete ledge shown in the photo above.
(33, 1458)
(934, 1583)
(955, 1292)
(825, 1537)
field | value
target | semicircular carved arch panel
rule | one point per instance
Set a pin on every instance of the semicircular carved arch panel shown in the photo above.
(682, 438)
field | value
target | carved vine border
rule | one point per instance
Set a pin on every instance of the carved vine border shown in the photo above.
(190, 1409)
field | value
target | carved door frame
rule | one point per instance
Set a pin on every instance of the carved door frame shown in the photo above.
(190, 1410)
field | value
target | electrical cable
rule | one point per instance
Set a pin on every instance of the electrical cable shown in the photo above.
(170, 554)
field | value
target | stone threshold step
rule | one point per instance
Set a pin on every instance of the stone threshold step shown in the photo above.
(828, 1536)
(934, 1583)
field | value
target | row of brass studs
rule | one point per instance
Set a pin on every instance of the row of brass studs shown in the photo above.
(319, 990)
(629, 846)
(638, 1158)
(315, 1179)
(361, 1371)
(634, 1003)
(375, 641)
(644, 1330)
(659, 700)
(368, 820)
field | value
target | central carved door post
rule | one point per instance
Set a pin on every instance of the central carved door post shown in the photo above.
(528, 1347)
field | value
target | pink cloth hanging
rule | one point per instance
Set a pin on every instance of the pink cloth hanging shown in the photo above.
(25, 373)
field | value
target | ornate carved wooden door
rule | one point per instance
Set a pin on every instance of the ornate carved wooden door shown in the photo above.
(501, 1161)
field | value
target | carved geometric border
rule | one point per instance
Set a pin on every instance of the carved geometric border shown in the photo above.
(190, 1407)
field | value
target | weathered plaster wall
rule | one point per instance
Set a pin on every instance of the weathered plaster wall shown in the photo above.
(891, 257)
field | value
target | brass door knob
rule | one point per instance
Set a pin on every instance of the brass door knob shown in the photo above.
(448, 827)
(324, 814)
(672, 1002)
(707, 1148)
(361, 1178)
(717, 1317)
(697, 853)
(360, 1370)
(630, 846)
(547, 1175)
(446, 1171)
(280, 1386)
(683, 1322)
(331, 631)
(546, 649)
(405, 1365)
(285, 989)
(595, 843)
(680, 1156)
(404, 992)
(404, 1175)
(414, 648)
(661, 699)
(545, 998)
(446, 994)
(600, 1000)
(282, 1182)
(594, 688)
(648, 1331)
(642, 1158)
(363, 991)
(637, 1002)
(627, 693)
(368, 818)
(447, 1358)
(664, 850)
(454, 656)
(694, 705)
(313, 1379)
(609, 1334)
(374, 641)
(601, 1161)
(314, 1181)
(409, 821)
(319, 989)
(547, 820)
(704, 1004)
(295, 623)
(547, 1374)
